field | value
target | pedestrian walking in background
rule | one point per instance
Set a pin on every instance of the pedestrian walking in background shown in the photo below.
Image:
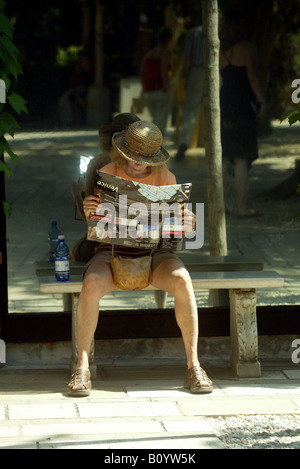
(193, 72)
(155, 77)
(241, 102)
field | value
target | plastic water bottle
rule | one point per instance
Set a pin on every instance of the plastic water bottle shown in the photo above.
(53, 233)
(62, 264)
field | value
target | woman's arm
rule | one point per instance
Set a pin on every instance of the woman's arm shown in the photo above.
(253, 78)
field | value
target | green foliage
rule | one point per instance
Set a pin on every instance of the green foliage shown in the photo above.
(10, 69)
(292, 116)
(67, 56)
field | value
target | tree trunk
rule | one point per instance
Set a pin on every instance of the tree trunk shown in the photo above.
(98, 43)
(86, 23)
(213, 152)
(98, 102)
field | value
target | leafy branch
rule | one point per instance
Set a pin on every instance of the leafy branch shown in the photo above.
(10, 68)
(292, 116)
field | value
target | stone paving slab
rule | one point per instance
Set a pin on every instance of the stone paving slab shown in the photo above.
(292, 374)
(240, 406)
(146, 441)
(154, 392)
(117, 426)
(127, 411)
(132, 441)
(41, 411)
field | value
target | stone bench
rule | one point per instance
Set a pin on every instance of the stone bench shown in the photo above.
(241, 286)
(192, 261)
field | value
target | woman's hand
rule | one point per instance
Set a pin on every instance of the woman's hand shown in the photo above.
(90, 204)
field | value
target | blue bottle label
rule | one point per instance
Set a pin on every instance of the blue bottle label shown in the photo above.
(61, 266)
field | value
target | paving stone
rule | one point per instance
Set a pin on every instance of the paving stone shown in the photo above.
(238, 405)
(297, 402)
(9, 431)
(105, 427)
(41, 411)
(17, 443)
(158, 392)
(292, 374)
(147, 441)
(123, 409)
(158, 418)
(187, 426)
(259, 389)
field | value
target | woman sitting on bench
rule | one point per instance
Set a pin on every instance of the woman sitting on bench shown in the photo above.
(137, 155)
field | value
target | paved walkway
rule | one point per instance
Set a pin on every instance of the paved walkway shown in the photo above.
(136, 406)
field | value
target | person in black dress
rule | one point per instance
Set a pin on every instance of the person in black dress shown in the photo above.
(241, 102)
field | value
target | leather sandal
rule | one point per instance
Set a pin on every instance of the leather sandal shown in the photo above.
(80, 384)
(197, 381)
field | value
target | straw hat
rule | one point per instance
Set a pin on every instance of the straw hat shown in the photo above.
(141, 142)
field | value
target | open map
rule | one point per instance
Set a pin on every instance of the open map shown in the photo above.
(138, 215)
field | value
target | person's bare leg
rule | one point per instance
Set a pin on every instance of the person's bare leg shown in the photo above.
(241, 185)
(97, 283)
(171, 276)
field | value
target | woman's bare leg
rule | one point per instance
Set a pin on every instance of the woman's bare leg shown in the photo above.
(241, 185)
(171, 276)
(97, 283)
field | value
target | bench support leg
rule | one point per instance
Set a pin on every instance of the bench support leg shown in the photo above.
(93, 368)
(160, 298)
(67, 301)
(243, 332)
